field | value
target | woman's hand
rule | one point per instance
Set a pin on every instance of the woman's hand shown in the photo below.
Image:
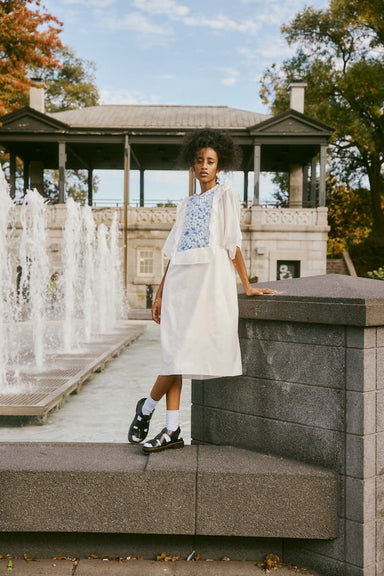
(259, 291)
(156, 310)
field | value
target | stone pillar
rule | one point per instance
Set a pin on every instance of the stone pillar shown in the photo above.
(313, 181)
(36, 172)
(312, 390)
(127, 167)
(256, 168)
(295, 186)
(245, 191)
(12, 174)
(62, 161)
(26, 175)
(90, 186)
(322, 183)
(141, 187)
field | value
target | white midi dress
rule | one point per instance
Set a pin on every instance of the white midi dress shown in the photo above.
(199, 313)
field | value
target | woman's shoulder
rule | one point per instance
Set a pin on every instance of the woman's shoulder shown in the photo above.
(227, 192)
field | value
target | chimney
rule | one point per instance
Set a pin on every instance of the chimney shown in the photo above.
(296, 102)
(36, 95)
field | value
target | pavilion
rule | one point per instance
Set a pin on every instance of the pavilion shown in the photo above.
(277, 242)
(147, 137)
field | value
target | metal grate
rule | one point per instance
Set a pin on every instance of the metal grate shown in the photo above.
(43, 390)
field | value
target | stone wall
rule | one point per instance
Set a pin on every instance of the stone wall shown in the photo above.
(269, 235)
(313, 391)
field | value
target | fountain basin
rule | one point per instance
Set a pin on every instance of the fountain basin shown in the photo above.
(47, 388)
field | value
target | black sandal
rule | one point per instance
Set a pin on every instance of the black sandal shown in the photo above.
(140, 424)
(166, 440)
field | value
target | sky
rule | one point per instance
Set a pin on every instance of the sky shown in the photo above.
(211, 52)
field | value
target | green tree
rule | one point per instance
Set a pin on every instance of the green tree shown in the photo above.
(339, 52)
(73, 85)
(349, 215)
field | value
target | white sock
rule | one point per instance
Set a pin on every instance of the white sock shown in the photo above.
(172, 420)
(149, 406)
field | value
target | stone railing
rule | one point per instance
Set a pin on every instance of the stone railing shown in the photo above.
(257, 216)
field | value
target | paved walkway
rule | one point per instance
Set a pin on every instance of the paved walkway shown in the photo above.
(67, 567)
(105, 406)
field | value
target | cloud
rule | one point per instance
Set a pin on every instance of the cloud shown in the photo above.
(179, 12)
(169, 7)
(138, 23)
(275, 49)
(125, 96)
(90, 3)
(230, 76)
(223, 23)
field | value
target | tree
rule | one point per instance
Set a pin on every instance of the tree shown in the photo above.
(72, 85)
(349, 215)
(340, 55)
(29, 40)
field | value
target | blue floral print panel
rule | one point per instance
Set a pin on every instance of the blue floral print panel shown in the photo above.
(195, 232)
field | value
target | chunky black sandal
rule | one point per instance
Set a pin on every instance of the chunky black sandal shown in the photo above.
(140, 425)
(166, 440)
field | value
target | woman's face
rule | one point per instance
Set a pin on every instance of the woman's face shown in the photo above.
(205, 168)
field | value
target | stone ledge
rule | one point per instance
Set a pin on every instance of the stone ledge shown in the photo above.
(201, 490)
(332, 299)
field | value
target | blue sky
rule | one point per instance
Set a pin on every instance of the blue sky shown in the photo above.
(211, 52)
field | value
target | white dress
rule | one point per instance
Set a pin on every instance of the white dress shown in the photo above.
(199, 313)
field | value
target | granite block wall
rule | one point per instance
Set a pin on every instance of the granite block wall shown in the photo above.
(312, 389)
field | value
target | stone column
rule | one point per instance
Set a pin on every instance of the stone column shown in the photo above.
(141, 187)
(256, 168)
(12, 174)
(312, 390)
(245, 191)
(322, 183)
(127, 165)
(36, 171)
(26, 175)
(62, 162)
(295, 186)
(90, 186)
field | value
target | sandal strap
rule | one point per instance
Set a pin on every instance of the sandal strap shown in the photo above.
(163, 438)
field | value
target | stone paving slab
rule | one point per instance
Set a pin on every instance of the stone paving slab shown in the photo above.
(86, 567)
(179, 568)
(21, 567)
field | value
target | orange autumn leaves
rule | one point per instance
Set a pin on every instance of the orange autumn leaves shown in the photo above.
(29, 38)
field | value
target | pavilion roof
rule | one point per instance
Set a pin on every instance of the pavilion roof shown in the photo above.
(160, 116)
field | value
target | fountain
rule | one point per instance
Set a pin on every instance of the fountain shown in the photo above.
(56, 326)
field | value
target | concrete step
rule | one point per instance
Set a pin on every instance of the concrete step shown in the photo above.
(85, 567)
(200, 490)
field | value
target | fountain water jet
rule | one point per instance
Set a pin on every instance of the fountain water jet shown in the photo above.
(35, 268)
(7, 292)
(85, 298)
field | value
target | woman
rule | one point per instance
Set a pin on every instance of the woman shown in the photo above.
(196, 303)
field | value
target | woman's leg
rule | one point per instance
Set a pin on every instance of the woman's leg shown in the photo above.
(169, 437)
(171, 386)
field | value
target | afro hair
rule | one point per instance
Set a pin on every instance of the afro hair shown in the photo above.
(229, 153)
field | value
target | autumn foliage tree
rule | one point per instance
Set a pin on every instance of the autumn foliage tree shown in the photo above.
(339, 52)
(29, 40)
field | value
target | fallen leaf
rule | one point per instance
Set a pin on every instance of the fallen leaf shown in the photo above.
(29, 559)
